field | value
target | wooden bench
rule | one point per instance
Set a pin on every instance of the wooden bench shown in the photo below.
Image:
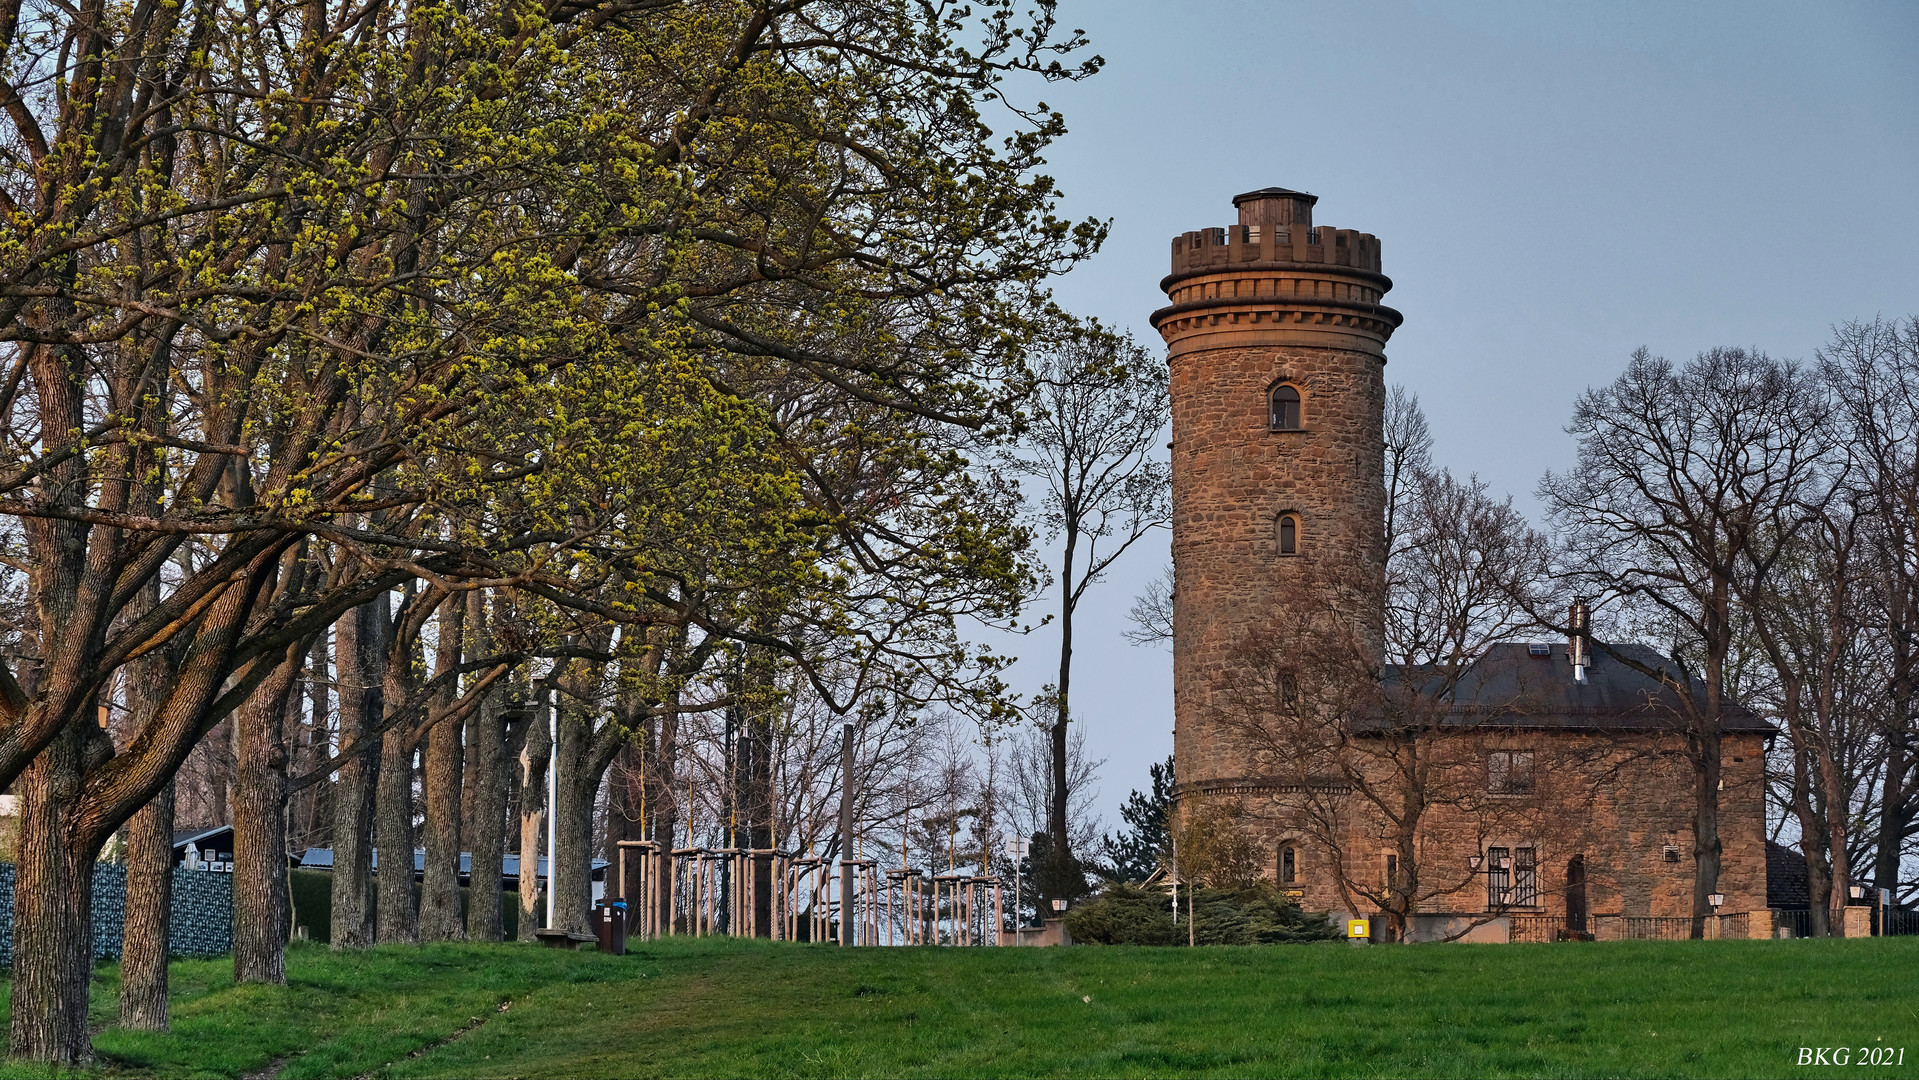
(563, 939)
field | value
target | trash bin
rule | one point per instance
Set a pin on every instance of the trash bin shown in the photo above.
(609, 921)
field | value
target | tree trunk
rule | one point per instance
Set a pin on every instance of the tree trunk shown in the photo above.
(1835, 841)
(488, 785)
(310, 747)
(53, 907)
(149, 920)
(1811, 832)
(533, 752)
(441, 769)
(260, 896)
(625, 801)
(219, 746)
(661, 799)
(1899, 783)
(1895, 812)
(622, 805)
(570, 865)
(440, 887)
(1063, 864)
(399, 922)
(360, 661)
(1707, 849)
(145, 938)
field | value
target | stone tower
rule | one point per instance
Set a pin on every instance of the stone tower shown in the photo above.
(1276, 340)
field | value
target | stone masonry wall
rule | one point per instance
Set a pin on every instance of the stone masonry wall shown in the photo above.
(1233, 478)
(1619, 800)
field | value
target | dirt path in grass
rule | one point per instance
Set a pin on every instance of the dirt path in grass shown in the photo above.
(720, 1013)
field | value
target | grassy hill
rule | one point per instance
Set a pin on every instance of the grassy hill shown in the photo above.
(729, 1008)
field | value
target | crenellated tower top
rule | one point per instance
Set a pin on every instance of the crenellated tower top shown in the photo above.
(1275, 279)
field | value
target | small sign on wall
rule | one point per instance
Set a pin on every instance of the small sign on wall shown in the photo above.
(1359, 928)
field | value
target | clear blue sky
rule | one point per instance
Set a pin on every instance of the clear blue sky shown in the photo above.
(1554, 185)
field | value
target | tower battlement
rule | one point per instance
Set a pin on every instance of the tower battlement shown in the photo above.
(1208, 250)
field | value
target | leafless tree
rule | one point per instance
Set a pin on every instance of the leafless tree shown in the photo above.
(1369, 771)
(1094, 447)
(1687, 493)
(1355, 751)
(1152, 612)
(1030, 792)
(1873, 368)
(1825, 684)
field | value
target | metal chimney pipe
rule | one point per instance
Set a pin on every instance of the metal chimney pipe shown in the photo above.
(1579, 639)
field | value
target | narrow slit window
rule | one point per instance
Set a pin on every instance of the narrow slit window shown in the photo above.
(1285, 408)
(1288, 535)
(1288, 865)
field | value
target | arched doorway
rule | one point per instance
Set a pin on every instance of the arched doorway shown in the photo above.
(1576, 896)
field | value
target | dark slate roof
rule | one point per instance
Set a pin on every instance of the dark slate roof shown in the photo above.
(1786, 878)
(1511, 687)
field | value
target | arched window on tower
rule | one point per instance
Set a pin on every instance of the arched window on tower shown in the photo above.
(1285, 411)
(1288, 534)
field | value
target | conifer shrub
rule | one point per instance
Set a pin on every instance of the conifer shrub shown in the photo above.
(1257, 914)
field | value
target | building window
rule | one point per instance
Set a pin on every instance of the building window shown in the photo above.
(1392, 873)
(1512, 877)
(1499, 877)
(1288, 534)
(1289, 693)
(1288, 864)
(1509, 772)
(1285, 413)
(1525, 878)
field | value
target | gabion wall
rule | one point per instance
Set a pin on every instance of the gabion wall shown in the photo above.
(202, 912)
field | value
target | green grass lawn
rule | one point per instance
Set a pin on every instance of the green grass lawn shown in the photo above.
(730, 1008)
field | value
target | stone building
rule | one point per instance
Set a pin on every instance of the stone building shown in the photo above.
(1555, 784)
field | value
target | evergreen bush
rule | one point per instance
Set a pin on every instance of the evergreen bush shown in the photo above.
(1258, 914)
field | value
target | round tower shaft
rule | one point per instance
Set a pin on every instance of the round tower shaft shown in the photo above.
(1276, 341)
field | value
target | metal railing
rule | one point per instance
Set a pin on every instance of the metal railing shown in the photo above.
(1540, 928)
(1880, 922)
(1734, 926)
(1791, 923)
(1892, 922)
(1643, 928)
(1537, 928)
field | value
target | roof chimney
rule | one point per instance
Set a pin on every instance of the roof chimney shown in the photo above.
(1276, 206)
(1579, 639)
